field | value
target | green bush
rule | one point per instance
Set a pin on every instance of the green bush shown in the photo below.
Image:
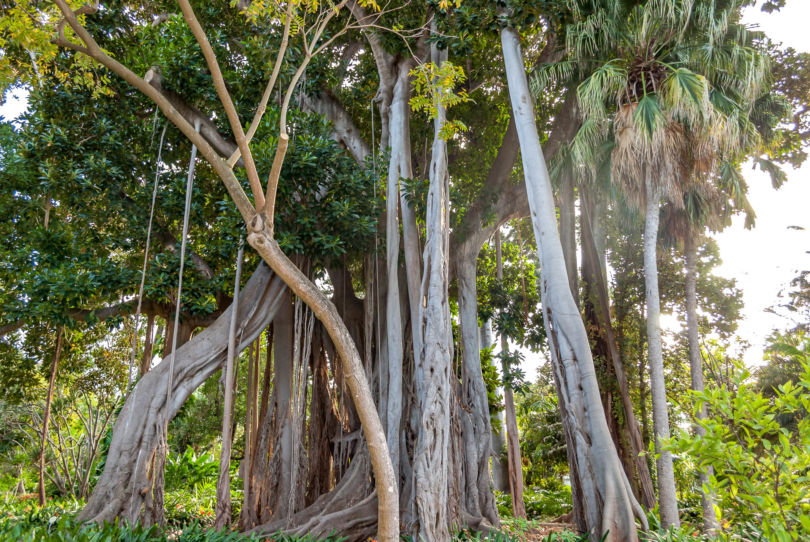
(541, 502)
(761, 468)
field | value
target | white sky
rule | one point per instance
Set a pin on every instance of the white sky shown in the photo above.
(763, 260)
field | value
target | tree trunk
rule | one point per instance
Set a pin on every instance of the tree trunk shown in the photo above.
(515, 466)
(146, 360)
(46, 416)
(500, 468)
(568, 230)
(710, 524)
(433, 363)
(261, 239)
(223, 507)
(597, 308)
(124, 487)
(667, 503)
(608, 502)
(399, 166)
(478, 499)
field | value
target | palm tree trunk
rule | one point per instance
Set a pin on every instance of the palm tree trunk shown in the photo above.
(710, 524)
(46, 416)
(667, 503)
(608, 503)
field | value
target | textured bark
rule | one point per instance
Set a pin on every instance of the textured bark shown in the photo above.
(261, 239)
(127, 480)
(433, 363)
(478, 498)
(223, 506)
(710, 523)
(667, 502)
(608, 502)
(597, 310)
(46, 416)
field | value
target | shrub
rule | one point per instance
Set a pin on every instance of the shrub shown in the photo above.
(761, 468)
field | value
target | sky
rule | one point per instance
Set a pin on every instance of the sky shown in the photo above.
(762, 260)
(766, 258)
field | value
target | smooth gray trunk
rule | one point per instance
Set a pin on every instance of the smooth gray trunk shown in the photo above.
(710, 524)
(667, 503)
(608, 502)
(399, 166)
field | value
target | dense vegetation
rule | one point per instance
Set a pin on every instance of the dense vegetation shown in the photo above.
(271, 271)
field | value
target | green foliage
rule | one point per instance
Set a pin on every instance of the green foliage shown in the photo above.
(190, 470)
(761, 468)
(434, 88)
(542, 503)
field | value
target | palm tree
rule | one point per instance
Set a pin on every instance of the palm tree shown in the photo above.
(657, 94)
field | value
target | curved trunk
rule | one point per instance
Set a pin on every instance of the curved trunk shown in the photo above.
(125, 485)
(710, 524)
(261, 239)
(608, 502)
(667, 503)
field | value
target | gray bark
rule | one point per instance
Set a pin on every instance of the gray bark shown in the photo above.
(608, 502)
(500, 469)
(667, 503)
(433, 364)
(710, 523)
(123, 488)
(399, 166)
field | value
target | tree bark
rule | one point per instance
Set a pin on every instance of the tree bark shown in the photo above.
(127, 479)
(597, 308)
(146, 359)
(608, 502)
(667, 502)
(433, 363)
(223, 507)
(46, 416)
(568, 230)
(710, 523)
(399, 166)
(500, 468)
(261, 239)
